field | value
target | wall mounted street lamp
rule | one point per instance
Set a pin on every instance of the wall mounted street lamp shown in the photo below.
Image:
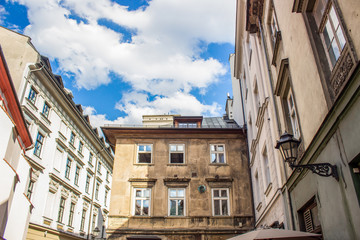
(288, 146)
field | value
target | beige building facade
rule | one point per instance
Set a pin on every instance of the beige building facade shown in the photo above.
(306, 57)
(184, 182)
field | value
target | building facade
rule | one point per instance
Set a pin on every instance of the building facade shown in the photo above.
(72, 165)
(15, 171)
(299, 64)
(186, 181)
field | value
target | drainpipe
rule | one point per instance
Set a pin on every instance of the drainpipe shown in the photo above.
(27, 80)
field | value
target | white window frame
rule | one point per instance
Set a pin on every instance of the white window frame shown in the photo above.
(293, 115)
(177, 151)
(142, 199)
(227, 198)
(145, 151)
(176, 199)
(217, 153)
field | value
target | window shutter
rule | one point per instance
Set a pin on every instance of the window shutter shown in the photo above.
(308, 221)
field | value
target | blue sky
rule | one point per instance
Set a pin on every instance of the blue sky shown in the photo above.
(126, 58)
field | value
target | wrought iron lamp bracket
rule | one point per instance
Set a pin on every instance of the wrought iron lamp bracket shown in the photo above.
(321, 169)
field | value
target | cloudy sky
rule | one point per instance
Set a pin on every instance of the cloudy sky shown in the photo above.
(126, 58)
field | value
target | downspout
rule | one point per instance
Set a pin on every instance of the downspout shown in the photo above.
(289, 202)
(242, 103)
(27, 80)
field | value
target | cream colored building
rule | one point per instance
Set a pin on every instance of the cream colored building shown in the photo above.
(70, 185)
(187, 181)
(299, 60)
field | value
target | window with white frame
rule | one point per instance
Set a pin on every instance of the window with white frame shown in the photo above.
(72, 138)
(220, 202)
(142, 201)
(292, 114)
(61, 210)
(83, 217)
(30, 189)
(217, 153)
(266, 167)
(97, 187)
(67, 168)
(32, 95)
(144, 153)
(87, 183)
(38, 144)
(176, 202)
(273, 27)
(81, 146)
(177, 153)
(77, 174)
(71, 214)
(46, 110)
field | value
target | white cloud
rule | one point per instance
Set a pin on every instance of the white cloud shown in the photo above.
(162, 59)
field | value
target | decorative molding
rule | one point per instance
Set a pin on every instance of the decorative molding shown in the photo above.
(253, 14)
(343, 70)
(74, 198)
(53, 186)
(219, 181)
(176, 182)
(65, 193)
(142, 182)
(63, 183)
(35, 174)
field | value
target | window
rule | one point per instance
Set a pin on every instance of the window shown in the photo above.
(177, 152)
(91, 158)
(355, 173)
(77, 173)
(256, 191)
(309, 217)
(93, 225)
(176, 201)
(333, 36)
(71, 214)
(105, 197)
(97, 190)
(72, 138)
(32, 95)
(188, 125)
(220, 199)
(142, 202)
(292, 115)
(99, 167)
(107, 176)
(144, 153)
(38, 144)
(217, 153)
(81, 145)
(30, 189)
(83, 216)
(274, 28)
(68, 168)
(46, 110)
(87, 184)
(61, 210)
(266, 168)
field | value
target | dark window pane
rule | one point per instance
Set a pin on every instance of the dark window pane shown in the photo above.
(224, 208)
(221, 158)
(216, 193)
(172, 207)
(137, 207)
(217, 207)
(146, 207)
(180, 207)
(144, 157)
(223, 193)
(176, 158)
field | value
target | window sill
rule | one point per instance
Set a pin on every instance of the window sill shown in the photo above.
(259, 206)
(80, 154)
(31, 104)
(144, 164)
(177, 164)
(71, 145)
(268, 189)
(219, 164)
